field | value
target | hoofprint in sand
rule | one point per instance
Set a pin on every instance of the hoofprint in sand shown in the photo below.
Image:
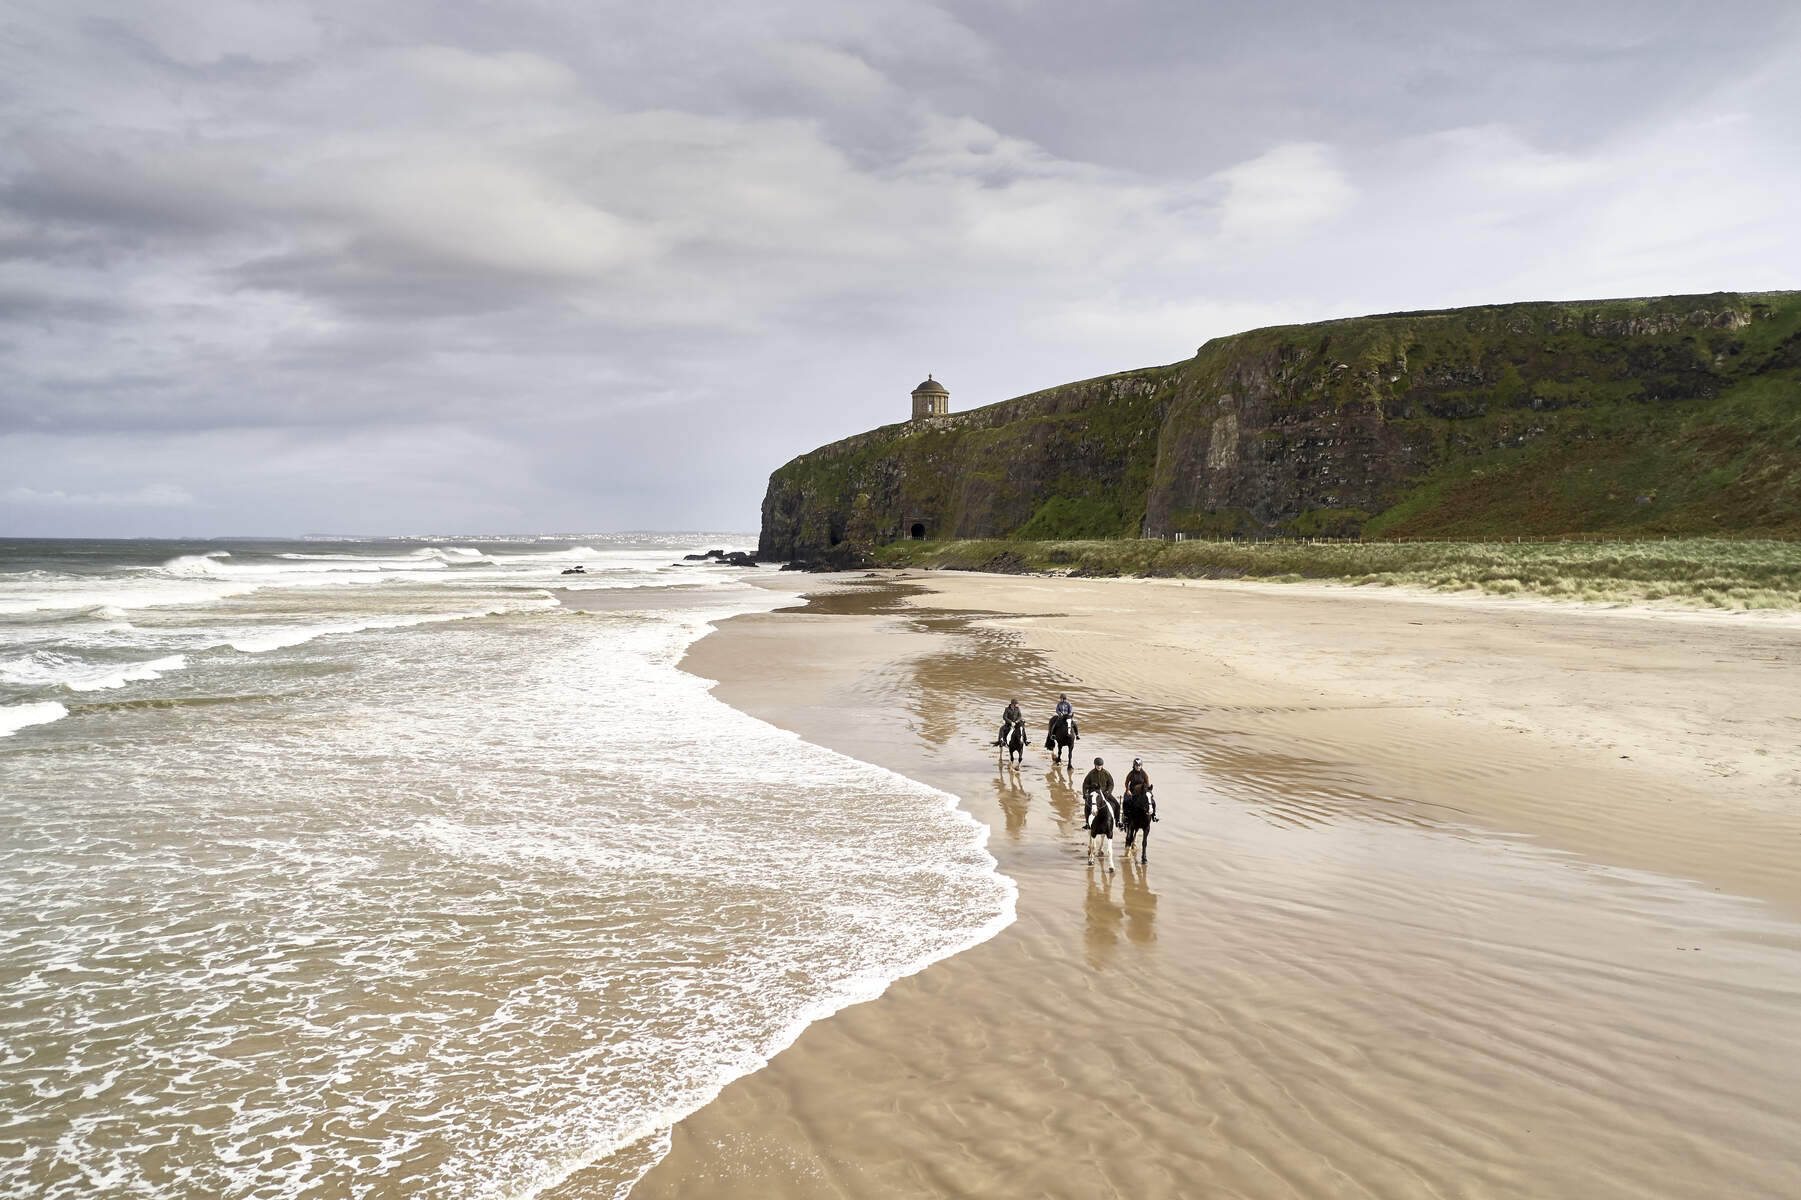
(1452, 898)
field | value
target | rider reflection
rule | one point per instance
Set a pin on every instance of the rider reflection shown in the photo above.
(1012, 796)
(1063, 801)
(1103, 916)
(1140, 902)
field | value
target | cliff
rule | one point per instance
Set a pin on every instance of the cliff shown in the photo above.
(1675, 415)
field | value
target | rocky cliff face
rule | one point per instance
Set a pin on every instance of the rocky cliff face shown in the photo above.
(1524, 418)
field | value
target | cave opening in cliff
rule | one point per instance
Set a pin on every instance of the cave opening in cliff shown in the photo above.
(918, 532)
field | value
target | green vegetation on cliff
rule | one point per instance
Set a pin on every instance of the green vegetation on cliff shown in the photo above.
(1679, 416)
(1699, 572)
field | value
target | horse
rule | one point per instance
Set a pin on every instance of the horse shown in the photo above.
(1013, 748)
(1103, 819)
(1138, 815)
(1062, 736)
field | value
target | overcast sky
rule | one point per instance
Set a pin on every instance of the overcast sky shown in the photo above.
(533, 265)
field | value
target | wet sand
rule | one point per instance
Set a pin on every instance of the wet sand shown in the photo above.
(1448, 899)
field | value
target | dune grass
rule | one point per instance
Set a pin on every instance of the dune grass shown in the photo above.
(1693, 572)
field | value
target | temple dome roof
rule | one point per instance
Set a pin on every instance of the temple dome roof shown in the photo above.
(931, 385)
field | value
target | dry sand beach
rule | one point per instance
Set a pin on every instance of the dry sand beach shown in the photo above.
(1449, 898)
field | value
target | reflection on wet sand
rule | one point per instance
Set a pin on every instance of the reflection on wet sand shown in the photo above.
(1114, 903)
(1065, 803)
(1012, 797)
(977, 666)
(1351, 991)
(1102, 916)
(1140, 902)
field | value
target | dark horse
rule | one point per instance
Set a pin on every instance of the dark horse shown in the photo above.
(1139, 810)
(1062, 736)
(1013, 748)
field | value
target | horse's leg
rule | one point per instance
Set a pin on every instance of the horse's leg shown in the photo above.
(1144, 845)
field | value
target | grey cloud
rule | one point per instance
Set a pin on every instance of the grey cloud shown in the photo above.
(149, 496)
(373, 283)
(26, 306)
(622, 259)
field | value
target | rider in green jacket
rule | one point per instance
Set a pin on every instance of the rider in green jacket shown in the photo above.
(1097, 783)
(1009, 718)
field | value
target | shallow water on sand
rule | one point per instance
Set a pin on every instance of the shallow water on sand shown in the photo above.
(366, 869)
(1313, 988)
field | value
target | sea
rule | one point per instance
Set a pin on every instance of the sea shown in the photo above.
(357, 868)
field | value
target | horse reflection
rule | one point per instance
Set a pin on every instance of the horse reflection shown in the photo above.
(1103, 916)
(1064, 801)
(1012, 797)
(1140, 902)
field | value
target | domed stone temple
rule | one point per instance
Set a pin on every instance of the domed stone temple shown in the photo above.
(931, 399)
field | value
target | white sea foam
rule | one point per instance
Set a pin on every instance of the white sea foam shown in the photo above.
(56, 669)
(125, 595)
(210, 567)
(574, 554)
(426, 558)
(631, 585)
(282, 638)
(14, 717)
(537, 850)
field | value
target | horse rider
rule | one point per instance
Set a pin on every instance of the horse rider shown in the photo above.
(1138, 784)
(1138, 810)
(1064, 718)
(1011, 716)
(1096, 785)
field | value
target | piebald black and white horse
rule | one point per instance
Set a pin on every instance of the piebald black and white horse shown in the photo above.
(1013, 743)
(1101, 814)
(1061, 737)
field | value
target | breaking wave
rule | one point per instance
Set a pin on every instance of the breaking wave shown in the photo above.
(14, 717)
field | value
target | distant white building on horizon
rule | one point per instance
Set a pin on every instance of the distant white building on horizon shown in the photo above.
(931, 399)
